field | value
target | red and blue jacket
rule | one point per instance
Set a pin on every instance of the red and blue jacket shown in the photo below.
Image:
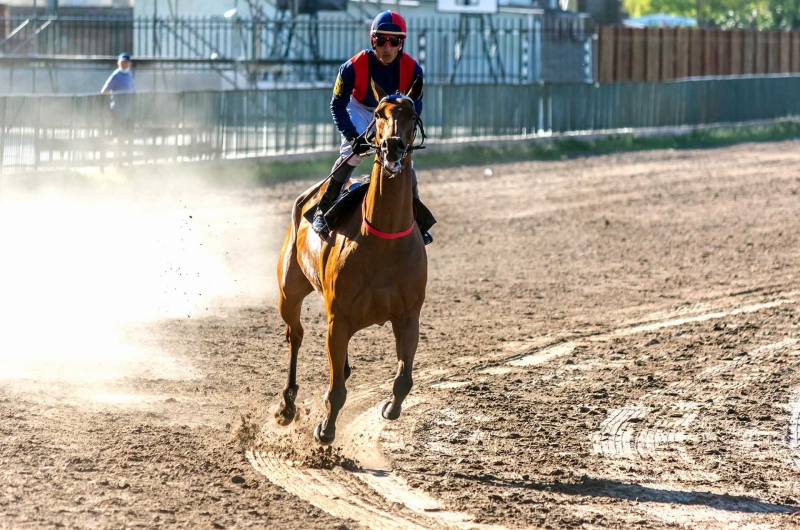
(353, 79)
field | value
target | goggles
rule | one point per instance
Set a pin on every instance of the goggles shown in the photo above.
(394, 41)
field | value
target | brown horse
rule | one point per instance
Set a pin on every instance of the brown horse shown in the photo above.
(371, 269)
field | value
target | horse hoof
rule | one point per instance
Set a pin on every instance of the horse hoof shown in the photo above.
(320, 437)
(387, 412)
(285, 415)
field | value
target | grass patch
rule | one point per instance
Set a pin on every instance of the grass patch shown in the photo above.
(555, 149)
(269, 172)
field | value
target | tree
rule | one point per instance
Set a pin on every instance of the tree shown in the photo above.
(728, 14)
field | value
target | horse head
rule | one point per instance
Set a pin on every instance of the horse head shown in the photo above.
(395, 126)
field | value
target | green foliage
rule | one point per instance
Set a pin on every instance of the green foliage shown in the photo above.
(728, 14)
(684, 8)
(637, 8)
(747, 14)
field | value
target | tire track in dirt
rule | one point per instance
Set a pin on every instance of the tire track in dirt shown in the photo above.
(372, 496)
(665, 427)
(378, 498)
(566, 344)
(619, 437)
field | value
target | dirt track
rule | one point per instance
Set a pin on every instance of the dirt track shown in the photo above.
(607, 342)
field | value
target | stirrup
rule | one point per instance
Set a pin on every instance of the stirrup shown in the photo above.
(320, 226)
(427, 238)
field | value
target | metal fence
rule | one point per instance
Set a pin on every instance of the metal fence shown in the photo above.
(77, 131)
(525, 49)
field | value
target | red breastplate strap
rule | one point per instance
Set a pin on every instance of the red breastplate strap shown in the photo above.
(375, 232)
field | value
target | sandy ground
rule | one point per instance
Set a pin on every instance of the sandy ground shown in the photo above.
(606, 342)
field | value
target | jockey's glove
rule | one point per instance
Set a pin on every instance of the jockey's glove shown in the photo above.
(360, 145)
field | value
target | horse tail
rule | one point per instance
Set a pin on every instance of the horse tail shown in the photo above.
(297, 208)
(296, 211)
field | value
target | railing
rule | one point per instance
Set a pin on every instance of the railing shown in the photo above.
(65, 35)
(503, 50)
(58, 132)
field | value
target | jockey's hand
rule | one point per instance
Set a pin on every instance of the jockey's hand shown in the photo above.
(360, 145)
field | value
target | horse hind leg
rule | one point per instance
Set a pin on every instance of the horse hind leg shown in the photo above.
(294, 288)
(406, 334)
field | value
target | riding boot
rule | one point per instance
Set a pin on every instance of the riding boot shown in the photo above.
(337, 180)
(425, 219)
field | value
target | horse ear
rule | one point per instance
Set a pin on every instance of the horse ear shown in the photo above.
(377, 91)
(415, 90)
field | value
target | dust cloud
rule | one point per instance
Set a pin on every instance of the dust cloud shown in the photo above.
(85, 266)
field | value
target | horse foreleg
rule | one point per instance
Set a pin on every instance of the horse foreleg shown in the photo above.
(406, 335)
(295, 287)
(336, 345)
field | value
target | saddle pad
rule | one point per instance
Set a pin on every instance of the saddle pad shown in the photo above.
(348, 200)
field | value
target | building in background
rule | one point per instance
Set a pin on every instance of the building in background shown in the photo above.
(224, 44)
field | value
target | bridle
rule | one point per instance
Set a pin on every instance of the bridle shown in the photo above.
(418, 128)
(379, 160)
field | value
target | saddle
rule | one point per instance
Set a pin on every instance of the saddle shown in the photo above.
(350, 199)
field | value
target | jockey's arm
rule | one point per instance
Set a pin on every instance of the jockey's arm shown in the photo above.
(418, 101)
(345, 82)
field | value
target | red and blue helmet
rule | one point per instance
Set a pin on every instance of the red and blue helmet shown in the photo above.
(389, 23)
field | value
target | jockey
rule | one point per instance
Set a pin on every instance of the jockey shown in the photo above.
(353, 103)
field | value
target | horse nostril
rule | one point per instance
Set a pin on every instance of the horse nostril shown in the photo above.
(401, 145)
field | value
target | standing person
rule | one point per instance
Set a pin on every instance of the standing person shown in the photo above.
(120, 82)
(353, 105)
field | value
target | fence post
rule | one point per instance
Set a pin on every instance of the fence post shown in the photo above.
(653, 61)
(696, 52)
(220, 124)
(795, 61)
(761, 52)
(786, 49)
(181, 146)
(537, 49)
(724, 53)
(667, 54)
(3, 129)
(37, 131)
(736, 52)
(710, 52)
(638, 57)
(421, 54)
(606, 44)
(624, 44)
(773, 52)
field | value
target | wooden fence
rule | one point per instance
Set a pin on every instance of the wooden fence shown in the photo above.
(662, 54)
